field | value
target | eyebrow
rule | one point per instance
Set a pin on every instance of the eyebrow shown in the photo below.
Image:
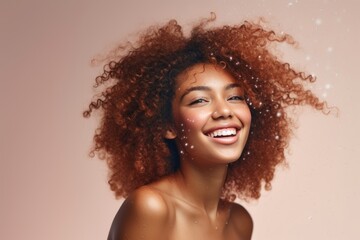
(206, 88)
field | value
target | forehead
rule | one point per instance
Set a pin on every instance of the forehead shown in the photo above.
(203, 74)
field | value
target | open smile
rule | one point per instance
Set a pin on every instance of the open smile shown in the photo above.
(224, 135)
(225, 132)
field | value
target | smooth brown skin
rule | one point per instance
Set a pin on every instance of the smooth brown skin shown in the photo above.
(187, 204)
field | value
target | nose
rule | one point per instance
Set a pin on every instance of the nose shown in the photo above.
(222, 110)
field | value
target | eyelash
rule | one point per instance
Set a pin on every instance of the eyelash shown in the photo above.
(237, 98)
(232, 98)
(197, 101)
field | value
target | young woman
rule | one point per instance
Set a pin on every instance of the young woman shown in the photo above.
(191, 123)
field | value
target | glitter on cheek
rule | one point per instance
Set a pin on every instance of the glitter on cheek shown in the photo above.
(190, 120)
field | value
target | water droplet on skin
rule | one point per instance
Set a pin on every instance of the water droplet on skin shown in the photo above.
(181, 152)
(192, 146)
(186, 144)
(278, 114)
(277, 137)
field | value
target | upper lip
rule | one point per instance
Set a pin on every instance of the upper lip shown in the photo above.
(223, 126)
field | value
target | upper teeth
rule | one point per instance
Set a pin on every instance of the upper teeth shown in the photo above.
(223, 132)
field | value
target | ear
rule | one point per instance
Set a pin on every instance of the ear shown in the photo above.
(170, 133)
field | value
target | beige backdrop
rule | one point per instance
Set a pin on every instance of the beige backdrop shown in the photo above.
(50, 189)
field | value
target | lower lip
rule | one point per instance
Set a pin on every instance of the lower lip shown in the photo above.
(226, 140)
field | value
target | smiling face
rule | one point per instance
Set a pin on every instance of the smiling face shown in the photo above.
(211, 118)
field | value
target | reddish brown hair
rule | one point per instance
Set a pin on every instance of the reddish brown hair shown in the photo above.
(137, 106)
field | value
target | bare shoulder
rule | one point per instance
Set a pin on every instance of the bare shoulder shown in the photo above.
(146, 201)
(144, 212)
(241, 220)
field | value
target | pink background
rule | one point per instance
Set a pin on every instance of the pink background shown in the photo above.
(49, 187)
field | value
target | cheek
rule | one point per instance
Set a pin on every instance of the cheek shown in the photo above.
(244, 114)
(189, 121)
(189, 125)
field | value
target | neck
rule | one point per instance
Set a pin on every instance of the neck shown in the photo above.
(201, 186)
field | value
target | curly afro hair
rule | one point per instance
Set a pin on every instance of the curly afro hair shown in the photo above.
(136, 106)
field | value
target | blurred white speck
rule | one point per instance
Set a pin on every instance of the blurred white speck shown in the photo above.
(318, 21)
(293, 3)
(308, 58)
(328, 86)
(329, 49)
(324, 95)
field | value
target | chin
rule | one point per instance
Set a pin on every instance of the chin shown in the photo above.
(226, 159)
